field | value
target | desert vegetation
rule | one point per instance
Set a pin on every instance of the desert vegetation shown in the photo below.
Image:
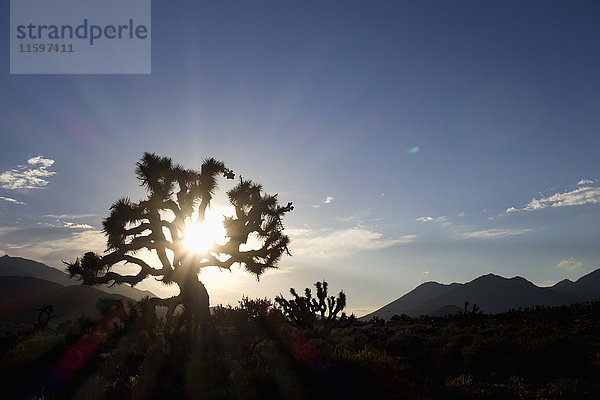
(303, 347)
(255, 350)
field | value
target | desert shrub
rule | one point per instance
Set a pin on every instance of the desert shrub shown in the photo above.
(318, 314)
(256, 308)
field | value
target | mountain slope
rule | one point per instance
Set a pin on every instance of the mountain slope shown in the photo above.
(411, 300)
(17, 266)
(588, 285)
(492, 293)
(21, 298)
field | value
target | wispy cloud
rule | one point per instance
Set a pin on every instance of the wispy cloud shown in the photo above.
(11, 200)
(346, 219)
(425, 219)
(53, 251)
(585, 182)
(569, 264)
(69, 216)
(494, 233)
(328, 199)
(8, 229)
(31, 176)
(576, 197)
(441, 218)
(342, 242)
(72, 225)
(361, 217)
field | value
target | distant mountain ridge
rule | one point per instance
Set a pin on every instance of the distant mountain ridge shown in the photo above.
(17, 266)
(587, 284)
(492, 293)
(21, 297)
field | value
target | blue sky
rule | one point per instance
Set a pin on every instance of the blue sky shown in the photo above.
(498, 101)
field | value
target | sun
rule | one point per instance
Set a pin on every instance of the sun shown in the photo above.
(200, 238)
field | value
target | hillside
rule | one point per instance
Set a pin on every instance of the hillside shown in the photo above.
(413, 299)
(22, 297)
(17, 266)
(586, 285)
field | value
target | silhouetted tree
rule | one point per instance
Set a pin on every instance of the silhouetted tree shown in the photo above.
(44, 316)
(178, 197)
(306, 311)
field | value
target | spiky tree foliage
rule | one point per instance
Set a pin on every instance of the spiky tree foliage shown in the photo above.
(318, 314)
(178, 197)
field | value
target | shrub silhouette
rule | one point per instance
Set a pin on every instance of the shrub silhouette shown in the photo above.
(316, 314)
(176, 198)
(45, 314)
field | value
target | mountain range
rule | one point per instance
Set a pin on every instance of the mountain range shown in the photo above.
(492, 294)
(17, 266)
(21, 297)
(27, 285)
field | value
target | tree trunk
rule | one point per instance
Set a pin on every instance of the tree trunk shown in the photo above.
(196, 306)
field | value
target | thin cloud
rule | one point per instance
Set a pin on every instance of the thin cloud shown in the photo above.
(11, 200)
(585, 182)
(72, 225)
(31, 176)
(494, 233)
(346, 219)
(576, 197)
(69, 216)
(342, 242)
(441, 218)
(360, 217)
(53, 251)
(424, 219)
(8, 229)
(569, 264)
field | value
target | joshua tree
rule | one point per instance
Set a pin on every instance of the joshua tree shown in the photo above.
(44, 316)
(305, 311)
(177, 199)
